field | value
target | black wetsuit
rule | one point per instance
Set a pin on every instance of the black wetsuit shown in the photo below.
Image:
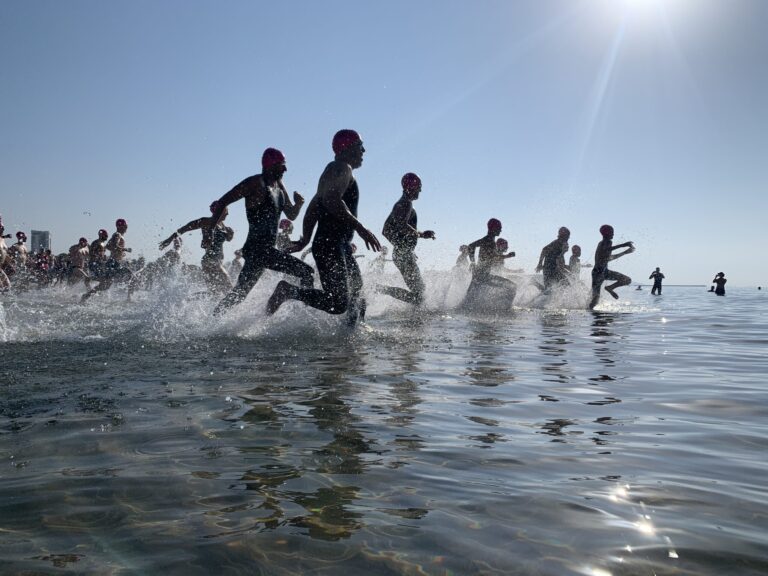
(259, 251)
(481, 274)
(657, 278)
(720, 282)
(554, 263)
(336, 265)
(404, 243)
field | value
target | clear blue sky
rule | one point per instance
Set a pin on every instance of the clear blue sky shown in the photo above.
(650, 115)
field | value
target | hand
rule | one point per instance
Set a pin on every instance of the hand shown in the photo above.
(428, 234)
(168, 240)
(511, 255)
(297, 246)
(298, 199)
(129, 250)
(371, 242)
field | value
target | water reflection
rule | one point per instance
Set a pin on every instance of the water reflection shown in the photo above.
(555, 339)
(486, 367)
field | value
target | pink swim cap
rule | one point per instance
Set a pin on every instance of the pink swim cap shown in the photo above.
(494, 224)
(285, 224)
(411, 182)
(271, 157)
(120, 222)
(606, 230)
(343, 139)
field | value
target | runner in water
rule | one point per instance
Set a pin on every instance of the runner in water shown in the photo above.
(114, 268)
(78, 261)
(215, 233)
(334, 210)
(720, 281)
(552, 259)
(19, 252)
(574, 263)
(462, 261)
(657, 277)
(284, 242)
(487, 256)
(401, 230)
(5, 283)
(600, 273)
(501, 254)
(265, 199)
(98, 255)
(377, 264)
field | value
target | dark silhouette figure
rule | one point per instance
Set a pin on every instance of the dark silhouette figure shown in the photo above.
(719, 282)
(657, 277)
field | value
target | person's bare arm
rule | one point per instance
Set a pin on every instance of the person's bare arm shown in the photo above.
(471, 249)
(291, 209)
(188, 227)
(251, 186)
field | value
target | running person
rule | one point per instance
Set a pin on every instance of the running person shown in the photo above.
(265, 199)
(215, 233)
(98, 255)
(487, 255)
(114, 269)
(5, 283)
(600, 273)
(79, 255)
(400, 229)
(552, 259)
(334, 210)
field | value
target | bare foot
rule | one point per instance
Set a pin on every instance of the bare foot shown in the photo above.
(611, 292)
(281, 294)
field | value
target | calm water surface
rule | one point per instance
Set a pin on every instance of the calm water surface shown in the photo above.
(153, 439)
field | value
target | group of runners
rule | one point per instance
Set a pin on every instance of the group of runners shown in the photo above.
(329, 223)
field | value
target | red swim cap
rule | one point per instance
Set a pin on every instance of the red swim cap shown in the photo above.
(494, 224)
(213, 206)
(83, 241)
(271, 157)
(103, 233)
(20, 235)
(120, 222)
(343, 139)
(606, 230)
(411, 182)
(285, 224)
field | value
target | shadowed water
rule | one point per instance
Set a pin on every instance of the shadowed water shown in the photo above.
(154, 439)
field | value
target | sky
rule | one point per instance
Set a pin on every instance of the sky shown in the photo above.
(649, 115)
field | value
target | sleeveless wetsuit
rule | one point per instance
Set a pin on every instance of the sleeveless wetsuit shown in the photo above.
(336, 265)
(259, 251)
(404, 244)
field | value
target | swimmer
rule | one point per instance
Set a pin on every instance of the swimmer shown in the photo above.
(236, 266)
(719, 282)
(284, 241)
(265, 199)
(215, 233)
(5, 259)
(487, 255)
(401, 230)
(552, 259)
(334, 210)
(97, 258)
(574, 263)
(657, 277)
(601, 273)
(114, 268)
(152, 272)
(79, 255)
(501, 254)
(377, 264)
(18, 251)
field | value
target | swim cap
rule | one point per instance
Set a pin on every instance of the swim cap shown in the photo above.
(120, 222)
(494, 224)
(576, 249)
(213, 206)
(502, 244)
(21, 236)
(606, 229)
(411, 182)
(271, 157)
(563, 231)
(463, 248)
(103, 233)
(285, 224)
(343, 139)
(83, 241)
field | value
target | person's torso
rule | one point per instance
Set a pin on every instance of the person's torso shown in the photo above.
(264, 217)
(329, 227)
(215, 248)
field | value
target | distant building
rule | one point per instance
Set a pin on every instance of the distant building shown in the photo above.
(40, 239)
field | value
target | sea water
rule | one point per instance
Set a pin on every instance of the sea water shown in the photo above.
(152, 438)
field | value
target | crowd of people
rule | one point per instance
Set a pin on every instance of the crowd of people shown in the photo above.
(329, 223)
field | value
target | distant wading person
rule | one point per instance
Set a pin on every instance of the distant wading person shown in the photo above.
(400, 229)
(265, 199)
(600, 273)
(215, 233)
(719, 282)
(657, 277)
(334, 210)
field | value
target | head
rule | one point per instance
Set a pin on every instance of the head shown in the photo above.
(354, 247)
(720, 274)
(502, 245)
(83, 242)
(658, 269)
(215, 206)
(563, 233)
(494, 227)
(384, 250)
(103, 234)
(177, 243)
(273, 164)
(606, 230)
(286, 226)
(21, 237)
(411, 185)
(121, 225)
(463, 249)
(348, 147)
(576, 250)
(238, 253)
